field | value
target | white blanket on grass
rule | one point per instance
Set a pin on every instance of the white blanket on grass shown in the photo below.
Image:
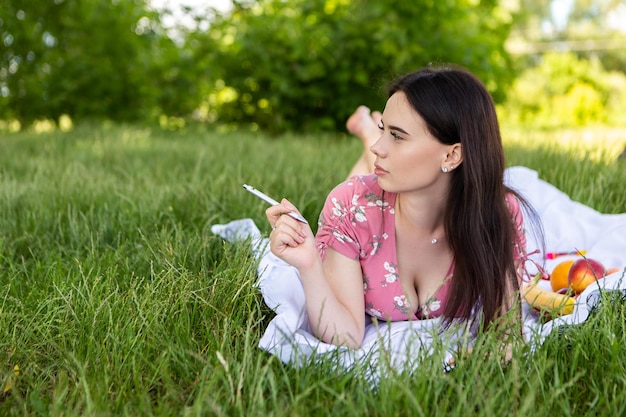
(568, 226)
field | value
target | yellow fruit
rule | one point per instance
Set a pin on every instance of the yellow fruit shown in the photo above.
(559, 275)
(547, 301)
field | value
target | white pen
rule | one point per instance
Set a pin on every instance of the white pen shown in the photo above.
(273, 202)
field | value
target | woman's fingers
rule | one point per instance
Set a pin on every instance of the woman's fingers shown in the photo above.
(290, 230)
(286, 233)
(291, 240)
(274, 213)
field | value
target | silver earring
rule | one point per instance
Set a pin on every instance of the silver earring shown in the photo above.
(444, 169)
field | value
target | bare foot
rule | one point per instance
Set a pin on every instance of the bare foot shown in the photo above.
(364, 125)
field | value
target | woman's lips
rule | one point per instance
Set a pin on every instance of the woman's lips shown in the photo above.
(379, 171)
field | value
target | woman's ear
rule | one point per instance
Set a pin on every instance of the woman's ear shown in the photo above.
(454, 157)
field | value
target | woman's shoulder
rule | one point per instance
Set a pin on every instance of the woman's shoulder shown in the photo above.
(352, 220)
(358, 199)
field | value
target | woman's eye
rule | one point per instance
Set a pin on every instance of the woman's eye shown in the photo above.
(395, 136)
(381, 127)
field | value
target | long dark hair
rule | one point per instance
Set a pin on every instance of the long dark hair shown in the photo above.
(457, 108)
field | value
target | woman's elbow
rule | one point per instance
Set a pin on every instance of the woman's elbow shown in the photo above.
(352, 339)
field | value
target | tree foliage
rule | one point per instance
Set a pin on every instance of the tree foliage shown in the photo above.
(277, 65)
(306, 64)
(85, 58)
(564, 90)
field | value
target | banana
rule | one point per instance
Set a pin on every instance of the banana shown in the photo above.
(547, 301)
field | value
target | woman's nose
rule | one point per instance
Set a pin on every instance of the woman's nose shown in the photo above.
(377, 148)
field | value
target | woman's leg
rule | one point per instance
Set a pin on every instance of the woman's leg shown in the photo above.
(364, 125)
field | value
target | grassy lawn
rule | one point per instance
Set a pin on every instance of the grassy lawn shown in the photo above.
(116, 299)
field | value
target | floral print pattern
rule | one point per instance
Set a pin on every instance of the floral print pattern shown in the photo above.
(392, 273)
(430, 307)
(402, 304)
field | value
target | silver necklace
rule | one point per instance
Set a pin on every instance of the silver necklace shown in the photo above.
(434, 240)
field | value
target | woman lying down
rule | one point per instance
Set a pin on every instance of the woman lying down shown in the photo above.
(424, 227)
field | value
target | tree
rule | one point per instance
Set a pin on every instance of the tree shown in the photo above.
(85, 58)
(306, 64)
(588, 28)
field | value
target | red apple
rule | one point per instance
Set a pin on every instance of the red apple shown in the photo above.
(583, 273)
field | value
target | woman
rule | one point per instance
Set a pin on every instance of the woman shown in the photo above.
(432, 232)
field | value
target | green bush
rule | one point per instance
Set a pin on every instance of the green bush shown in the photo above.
(89, 59)
(297, 65)
(564, 90)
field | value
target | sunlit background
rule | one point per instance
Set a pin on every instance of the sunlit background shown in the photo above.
(296, 65)
(180, 9)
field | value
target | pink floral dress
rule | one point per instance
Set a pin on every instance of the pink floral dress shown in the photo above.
(358, 221)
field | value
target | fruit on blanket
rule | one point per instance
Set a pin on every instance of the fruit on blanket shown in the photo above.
(559, 278)
(585, 272)
(547, 301)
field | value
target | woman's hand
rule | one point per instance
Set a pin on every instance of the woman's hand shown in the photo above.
(333, 289)
(291, 240)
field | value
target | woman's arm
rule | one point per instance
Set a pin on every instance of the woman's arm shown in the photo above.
(333, 288)
(334, 300)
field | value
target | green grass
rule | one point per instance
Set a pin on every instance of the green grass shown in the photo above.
(115, 298)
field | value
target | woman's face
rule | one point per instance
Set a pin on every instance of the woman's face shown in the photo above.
(408, 157)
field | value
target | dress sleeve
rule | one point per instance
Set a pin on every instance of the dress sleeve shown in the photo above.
(336, 225)
(520, 256)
